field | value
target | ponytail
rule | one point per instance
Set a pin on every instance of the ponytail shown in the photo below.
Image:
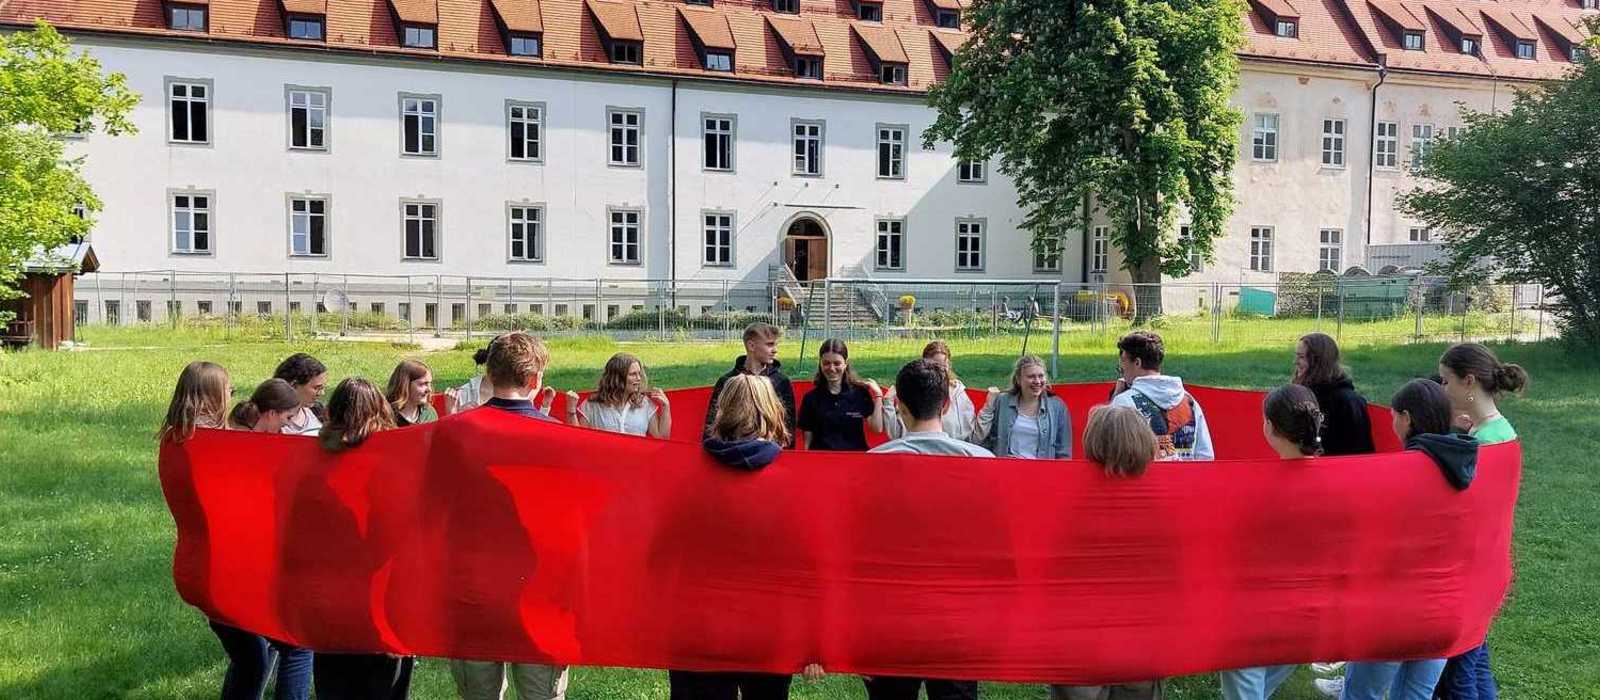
(1293, 412)
(270, 395)
(1479, 362)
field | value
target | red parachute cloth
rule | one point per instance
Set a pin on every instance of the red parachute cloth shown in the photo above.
(492, 536)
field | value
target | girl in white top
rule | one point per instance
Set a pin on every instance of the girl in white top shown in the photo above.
(309, 377)
(960, 418)
(472, 394)
(620, 403)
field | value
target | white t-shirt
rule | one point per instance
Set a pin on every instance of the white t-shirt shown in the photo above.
(303, 422)
(473, 393)
(628, 418)
(1025, 437)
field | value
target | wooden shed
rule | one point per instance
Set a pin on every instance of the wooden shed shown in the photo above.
(44, 312)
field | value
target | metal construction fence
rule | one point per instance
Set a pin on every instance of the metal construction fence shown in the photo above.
(999, 316)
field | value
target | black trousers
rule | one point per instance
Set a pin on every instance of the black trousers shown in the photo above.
(696, 685)
(899, 688)
(362, 676)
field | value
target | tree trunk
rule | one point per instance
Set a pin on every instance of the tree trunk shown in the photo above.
(1147, 290)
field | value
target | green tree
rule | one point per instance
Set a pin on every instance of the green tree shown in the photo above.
(1120, 105)
(45, 92)
(1522, 187)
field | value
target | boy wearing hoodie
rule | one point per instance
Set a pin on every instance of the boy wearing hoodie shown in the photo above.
(1175, 417)
(760, 358)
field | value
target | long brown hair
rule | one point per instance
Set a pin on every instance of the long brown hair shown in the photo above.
(1427, 405)
(400, 381)
(938, 347)
(613, 387)
(1322, 361)
(1119, 438)
(355, 411)
(749, 409)
(1293, 412)
(199, 400)
(271, 395)
(837, 347)
(1479, 362)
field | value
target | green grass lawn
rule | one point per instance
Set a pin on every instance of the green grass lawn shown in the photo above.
(88, 610)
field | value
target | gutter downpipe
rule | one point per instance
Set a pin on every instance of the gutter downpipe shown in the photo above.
(672, 198)
(1372, 137)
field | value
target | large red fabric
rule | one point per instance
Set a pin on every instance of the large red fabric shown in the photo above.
(488, 535)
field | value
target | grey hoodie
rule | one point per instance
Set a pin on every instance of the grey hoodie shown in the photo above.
(1166, 391)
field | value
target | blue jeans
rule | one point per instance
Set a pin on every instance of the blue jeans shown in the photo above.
(1468, 677)
(251, 659)
(1401, 680)
(1254, 683)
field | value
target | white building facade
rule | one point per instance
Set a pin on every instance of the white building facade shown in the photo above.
(261, 153)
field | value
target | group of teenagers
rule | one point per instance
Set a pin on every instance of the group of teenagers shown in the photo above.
(753, 418)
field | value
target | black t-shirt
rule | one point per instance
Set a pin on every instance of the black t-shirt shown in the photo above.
(836, 422)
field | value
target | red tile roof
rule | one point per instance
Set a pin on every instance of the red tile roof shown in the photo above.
(416, 11)
(1332, 32)
(1455, 19)
(1279, 8)
(306, 7)
(1510, 23)
(519, 15)
(709, 26)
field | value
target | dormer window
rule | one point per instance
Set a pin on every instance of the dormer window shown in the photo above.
(1580, 54)
(186, 18)
(869, 11)
(419, 36)
(1525, 49)
(893, 73)
(1470, 45)
(524, 45)
(809, 67)
(306, 27)
(949, 19)
(627, 52)
(719, 61)
(1287, 28)
(1589, 4)
(789, 6)
(707, 3)
(1413, 41)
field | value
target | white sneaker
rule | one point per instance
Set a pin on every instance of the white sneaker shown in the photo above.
(1327, 668)
(1331, 687)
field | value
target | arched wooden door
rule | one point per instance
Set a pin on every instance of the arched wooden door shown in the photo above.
(805, 249)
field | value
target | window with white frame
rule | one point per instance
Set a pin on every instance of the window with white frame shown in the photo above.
(419, 125)
(623, 241)
(1330, 253)
(419, 36)
(890, 245)
(525, 233)
(525, 128)
(308, 226)
(1100, 249)
(420, 230)
(525, 45)
(1264, 138)
(1420, 234)
(1333, 143)
(1386, 145)
(1261, 248)
(1471, 45)
(1451, 132)
(191, 222)
(717, 134)
(625, 136)
(189, 111)
(790, 6)
(972, 171)
(720, 61)
(1287, 28)
(969, 245)
(718, 239)
(809, 67)
(1197, 261)
(1421, 143)
(892, 73)
(1412, 41)
(891, 152)
(1047, 261)
(808, 148)
(1525, 49)
(308, 119)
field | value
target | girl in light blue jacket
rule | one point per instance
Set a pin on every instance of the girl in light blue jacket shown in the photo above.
(1028, 421)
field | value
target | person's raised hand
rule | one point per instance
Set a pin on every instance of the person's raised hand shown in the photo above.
(873, 389)
(813, 673)
(547, 396)
(659, 396)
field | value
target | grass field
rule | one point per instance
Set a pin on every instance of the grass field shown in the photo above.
(87, 607)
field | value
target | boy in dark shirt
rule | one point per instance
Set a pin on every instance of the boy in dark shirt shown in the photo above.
(760, 359)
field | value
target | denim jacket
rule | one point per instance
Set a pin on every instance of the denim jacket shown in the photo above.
(1055, 432)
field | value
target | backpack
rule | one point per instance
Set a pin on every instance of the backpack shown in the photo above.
(1174, 427)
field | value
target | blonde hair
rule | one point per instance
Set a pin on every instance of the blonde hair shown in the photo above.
(199, 400)
(1119, 438)
(613, 388)
(400, 381)
(355, 411)
(1023, 363)
(515, 358)
(749, 408)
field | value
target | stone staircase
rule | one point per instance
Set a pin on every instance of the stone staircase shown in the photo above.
(838, 306)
